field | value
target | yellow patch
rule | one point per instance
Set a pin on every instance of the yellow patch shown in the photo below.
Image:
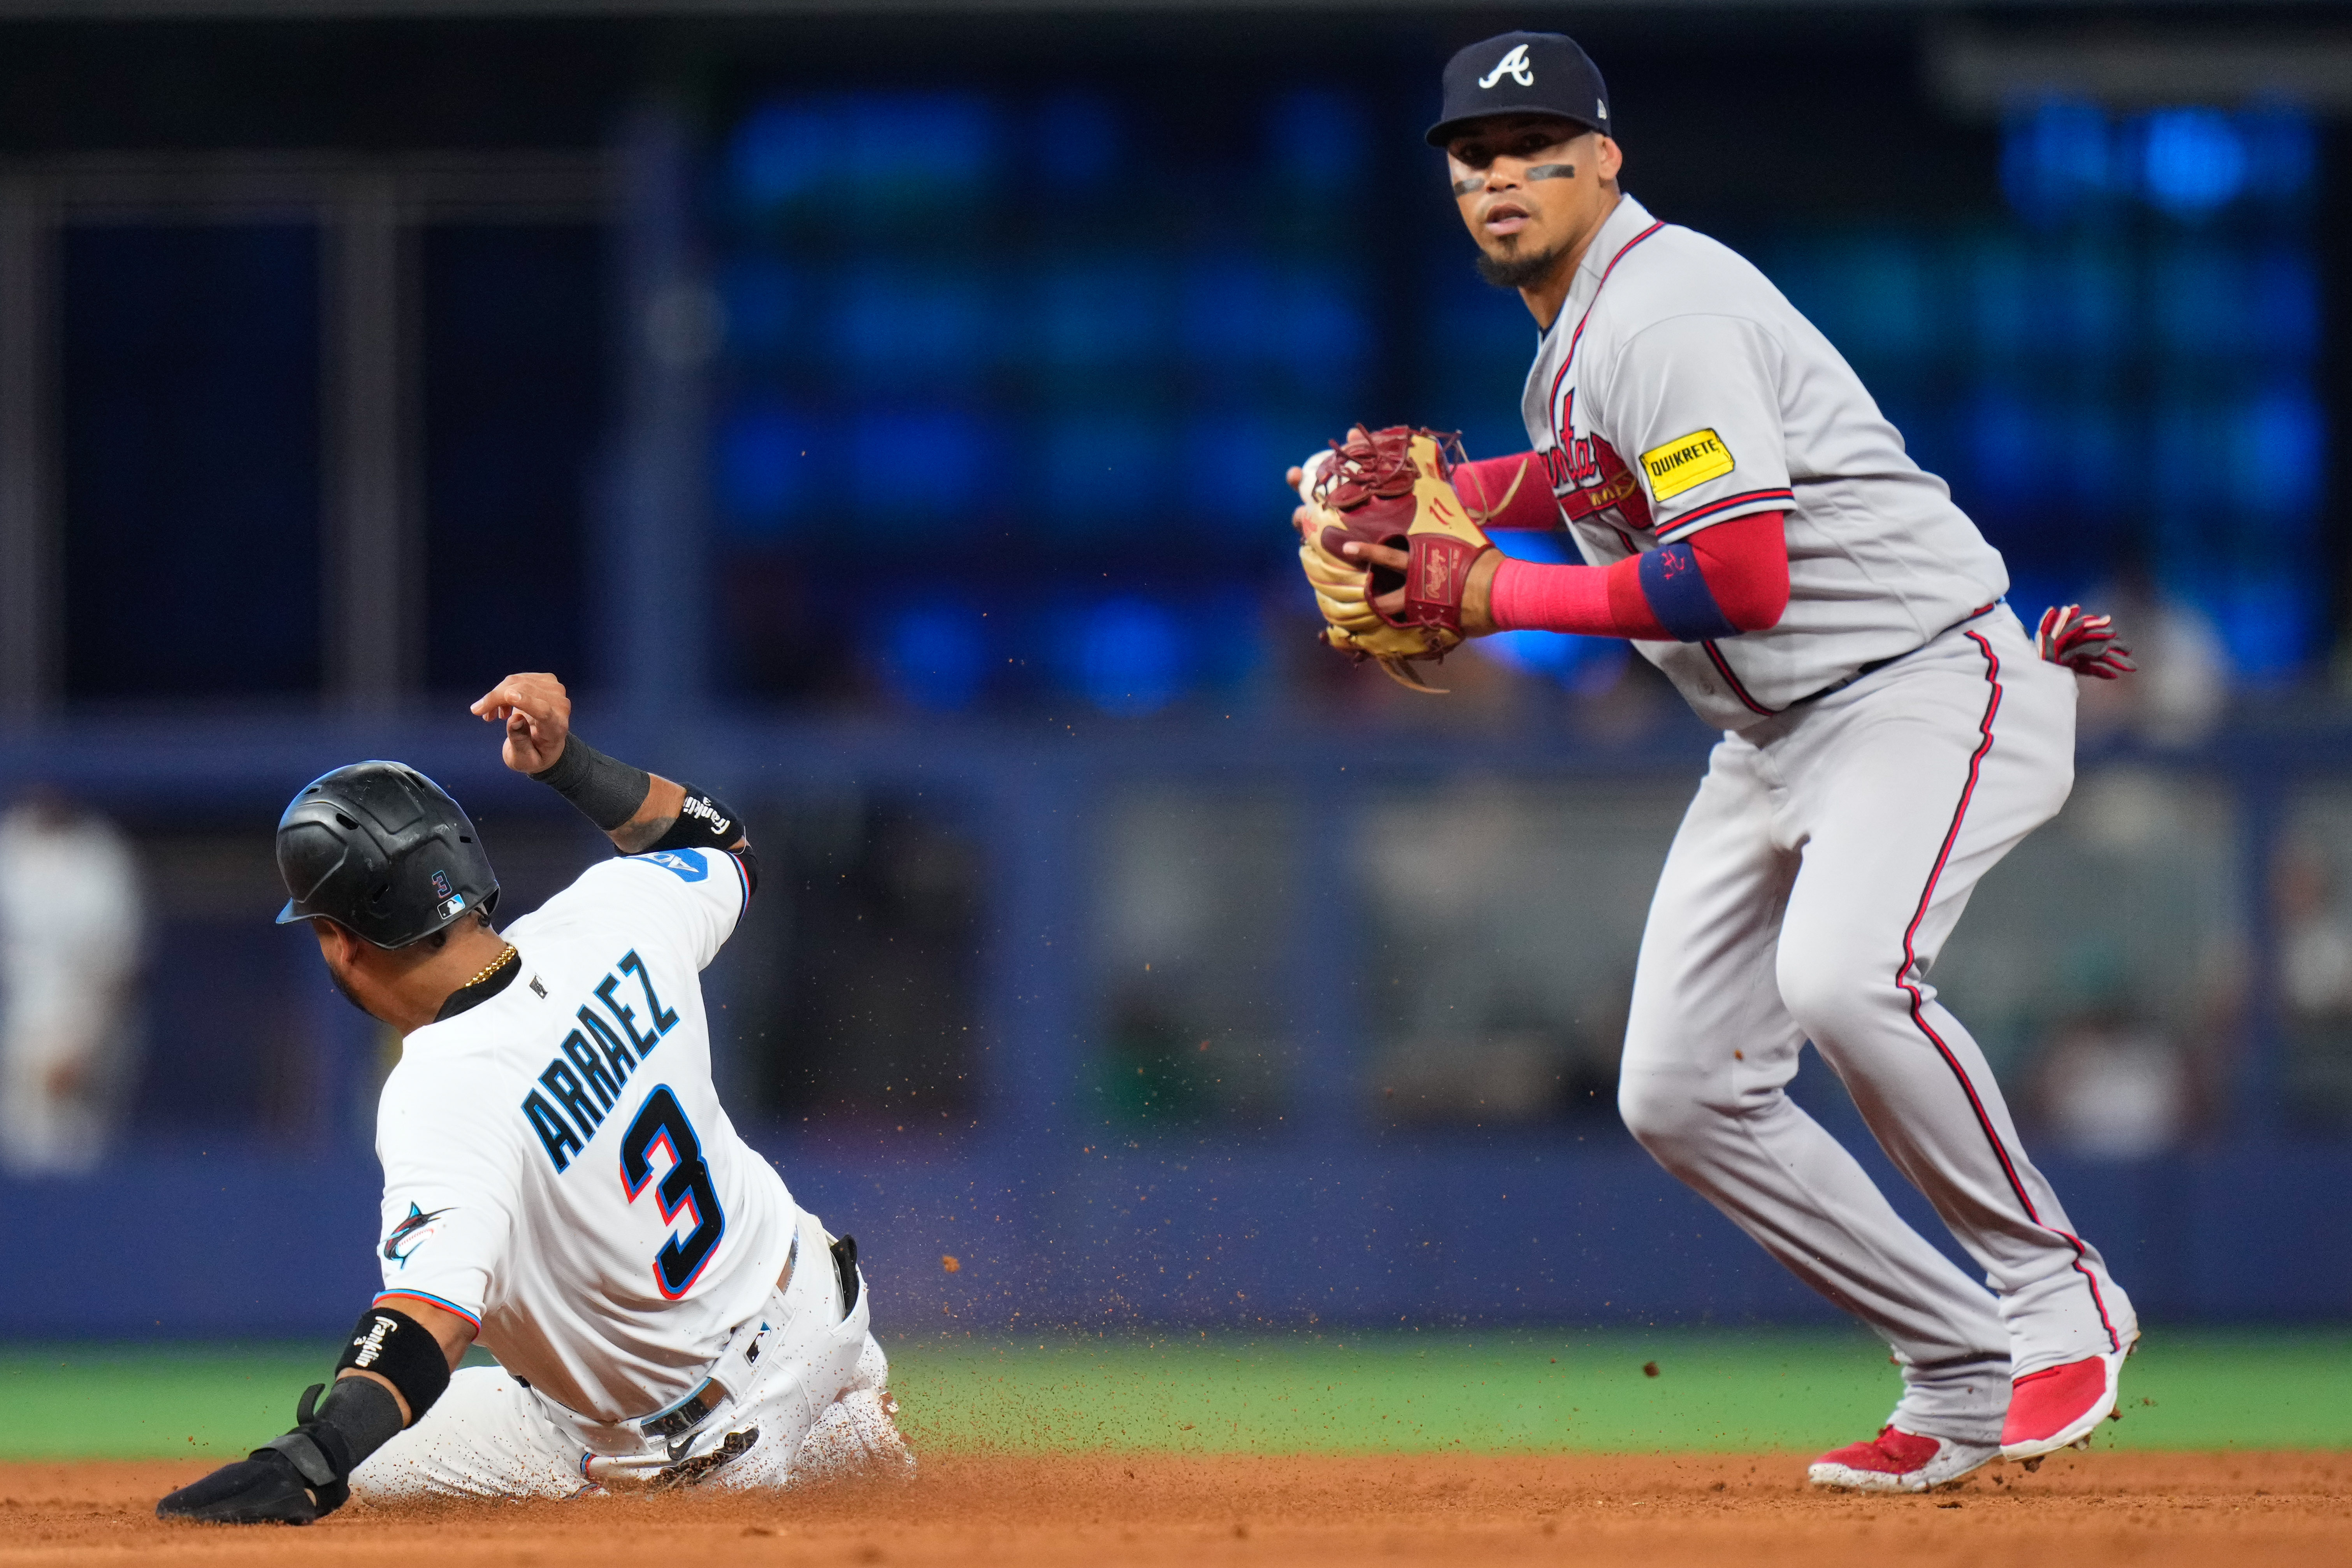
(1685, 461)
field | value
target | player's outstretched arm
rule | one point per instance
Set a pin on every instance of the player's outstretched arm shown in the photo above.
(637, 810)
(1740, 585)
(395, 1366)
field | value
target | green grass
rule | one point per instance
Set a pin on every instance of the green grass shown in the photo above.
(1520, 1391)
(1504, 1391)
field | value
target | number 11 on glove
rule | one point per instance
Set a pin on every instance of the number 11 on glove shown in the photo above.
(1391, 487)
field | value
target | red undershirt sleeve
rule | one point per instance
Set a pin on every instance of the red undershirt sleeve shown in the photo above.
(1484, 485)
(1744, 561)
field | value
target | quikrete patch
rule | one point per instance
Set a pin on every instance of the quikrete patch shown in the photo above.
(1685, 461)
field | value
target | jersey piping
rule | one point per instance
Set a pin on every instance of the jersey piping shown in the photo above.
(1749, 499)
(441, 1302)
(1567, 360)
(1723, 667)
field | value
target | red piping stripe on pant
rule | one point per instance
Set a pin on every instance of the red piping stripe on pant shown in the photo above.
(1918, 1003)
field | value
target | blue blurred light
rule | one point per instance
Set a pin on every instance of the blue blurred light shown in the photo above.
(933, 656)
(1131, 657)
(1101, 470)
(1878, 301)
(1234, 474)
(2282, 151)
(2199, 299)
(914, 465)
(1226, 308)
(2001, 297)
(2055, 157)
(1104, 313)
(1230, 645)
(1316, 138)
(1319, 332)
(851, 146)
(2268, 620)
(952, 141)
(1525, 544)
(919, 327)
(2089, 292)
(1542, 653)
(2283, 304)
(780, 151)
(2005, 441)
(758, 297)
(2089, 470)
(1077, 139)
(1588, 665)
(763, 467)
(2193, 160)
(2280, 461)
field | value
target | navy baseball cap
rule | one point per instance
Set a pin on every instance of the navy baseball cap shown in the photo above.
(1522, 73)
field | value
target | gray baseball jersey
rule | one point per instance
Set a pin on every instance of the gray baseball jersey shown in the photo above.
(1677, 389)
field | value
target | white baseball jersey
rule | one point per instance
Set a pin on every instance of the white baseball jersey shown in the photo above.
(557, 1167)
(1678, 389)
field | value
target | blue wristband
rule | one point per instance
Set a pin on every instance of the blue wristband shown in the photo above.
(1678, 596)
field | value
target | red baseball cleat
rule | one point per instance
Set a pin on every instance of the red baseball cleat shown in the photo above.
(1899, 1461)
(2059, 1405)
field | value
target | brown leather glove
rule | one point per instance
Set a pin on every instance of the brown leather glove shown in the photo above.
(1391, 487)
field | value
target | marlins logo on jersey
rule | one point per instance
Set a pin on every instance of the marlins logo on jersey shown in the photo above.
(409, 1232)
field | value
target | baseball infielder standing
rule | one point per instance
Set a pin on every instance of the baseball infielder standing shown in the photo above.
(1750, 520)
(561, 1183)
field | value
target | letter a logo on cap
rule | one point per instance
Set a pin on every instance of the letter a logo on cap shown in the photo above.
(1514, 65)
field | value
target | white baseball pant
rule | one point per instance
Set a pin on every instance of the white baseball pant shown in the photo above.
(816, 1398)
(1827, 857)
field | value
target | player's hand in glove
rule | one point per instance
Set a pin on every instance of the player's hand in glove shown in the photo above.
(302, 1476)
(2083, 642)
(1389, 549)
(262, 1488)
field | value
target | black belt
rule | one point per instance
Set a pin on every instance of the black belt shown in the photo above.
(687, 1416)
(1876, 665)
(682, 1418)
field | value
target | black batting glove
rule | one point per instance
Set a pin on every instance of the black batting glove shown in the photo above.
(265, 1488)
(296, 1480)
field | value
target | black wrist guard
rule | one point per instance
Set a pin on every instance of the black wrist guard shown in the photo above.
(607, 793)
(702, 824)
(329, 1440)
(403, 1353)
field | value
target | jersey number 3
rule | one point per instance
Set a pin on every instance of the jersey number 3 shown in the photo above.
(661, 1123)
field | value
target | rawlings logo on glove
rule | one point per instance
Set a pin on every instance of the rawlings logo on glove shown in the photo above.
(1390, 488)
(2083, 642)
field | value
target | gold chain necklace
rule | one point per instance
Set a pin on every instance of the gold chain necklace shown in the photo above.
(500, 962)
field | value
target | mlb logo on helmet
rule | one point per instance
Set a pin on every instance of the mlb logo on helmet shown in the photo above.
(1522, 73)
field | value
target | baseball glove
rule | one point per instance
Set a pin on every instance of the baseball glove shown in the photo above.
(1390, 488)
(2072, 638)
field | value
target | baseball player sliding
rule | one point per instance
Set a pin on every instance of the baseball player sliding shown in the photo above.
(1750, 520)
(560, 1182)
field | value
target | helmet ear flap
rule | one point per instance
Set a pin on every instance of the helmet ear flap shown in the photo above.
(308, 855)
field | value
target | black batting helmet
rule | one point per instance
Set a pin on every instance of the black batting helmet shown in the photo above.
(382, 850)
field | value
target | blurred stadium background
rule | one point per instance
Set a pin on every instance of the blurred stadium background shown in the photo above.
(878, 411)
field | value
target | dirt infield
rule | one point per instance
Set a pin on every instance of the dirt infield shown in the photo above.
(1708, 1512)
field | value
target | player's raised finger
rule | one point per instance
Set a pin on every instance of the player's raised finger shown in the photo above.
(499, 701)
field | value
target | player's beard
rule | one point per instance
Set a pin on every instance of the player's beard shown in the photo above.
(1523, 270)
(342, 989)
